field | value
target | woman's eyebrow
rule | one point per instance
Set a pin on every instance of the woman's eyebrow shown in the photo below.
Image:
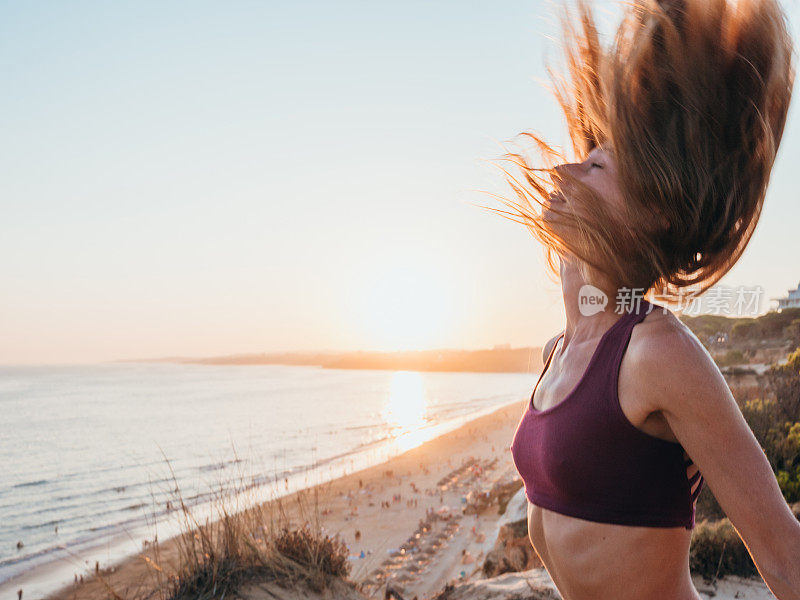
(593, 155)
(607, 149)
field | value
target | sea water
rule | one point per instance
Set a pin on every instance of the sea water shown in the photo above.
(90, 453)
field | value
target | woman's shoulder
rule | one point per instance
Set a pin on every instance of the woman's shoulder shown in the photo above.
(548, 347)
(664, 352)
(662, 331)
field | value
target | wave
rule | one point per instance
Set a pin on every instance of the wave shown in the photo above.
(30, 484)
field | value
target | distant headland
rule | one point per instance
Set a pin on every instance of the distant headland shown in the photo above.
(500, 359)
(738, 345)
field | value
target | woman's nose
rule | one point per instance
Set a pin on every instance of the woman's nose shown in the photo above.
(564, 169)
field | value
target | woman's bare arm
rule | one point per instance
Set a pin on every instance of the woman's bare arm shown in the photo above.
(675, 374)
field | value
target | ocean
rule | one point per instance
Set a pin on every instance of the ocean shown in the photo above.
(92, 456)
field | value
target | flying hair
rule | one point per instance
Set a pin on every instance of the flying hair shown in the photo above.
(691, 96)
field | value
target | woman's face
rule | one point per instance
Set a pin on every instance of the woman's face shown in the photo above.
(599, 171)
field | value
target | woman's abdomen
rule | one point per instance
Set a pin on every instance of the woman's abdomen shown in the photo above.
(599, 561)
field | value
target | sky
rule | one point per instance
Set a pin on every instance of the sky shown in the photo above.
(211, 178)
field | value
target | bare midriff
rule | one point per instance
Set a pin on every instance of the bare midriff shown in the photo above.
(588, 560)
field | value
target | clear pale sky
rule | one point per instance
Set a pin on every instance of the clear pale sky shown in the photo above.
(210, 178)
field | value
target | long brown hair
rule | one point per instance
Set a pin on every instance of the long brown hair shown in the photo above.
(692, 98)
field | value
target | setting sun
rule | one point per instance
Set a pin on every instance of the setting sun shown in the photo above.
(404, 308)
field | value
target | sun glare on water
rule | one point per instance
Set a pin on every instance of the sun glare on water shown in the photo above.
(406, 411)
(406, 405)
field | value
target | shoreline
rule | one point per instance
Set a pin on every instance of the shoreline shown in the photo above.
(126, 554)
(379, 511)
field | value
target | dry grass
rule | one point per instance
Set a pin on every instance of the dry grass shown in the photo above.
(717, 550)
(218, 557)
(241, 541)
(261, 543)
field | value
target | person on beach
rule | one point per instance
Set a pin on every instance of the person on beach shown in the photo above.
(676, 124)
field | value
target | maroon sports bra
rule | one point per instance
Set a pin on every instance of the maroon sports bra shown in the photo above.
(584, 458)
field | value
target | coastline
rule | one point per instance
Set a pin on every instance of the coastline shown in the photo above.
(378, 510)
(125, 568)
(500, 359)
(240, 428)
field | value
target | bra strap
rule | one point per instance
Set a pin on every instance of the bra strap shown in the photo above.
(622, 335)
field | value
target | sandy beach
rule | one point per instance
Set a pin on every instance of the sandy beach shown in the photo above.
(403, 521)
(385, 504)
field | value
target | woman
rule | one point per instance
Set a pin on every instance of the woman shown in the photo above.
(677, 125)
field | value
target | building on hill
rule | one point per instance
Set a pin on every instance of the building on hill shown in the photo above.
(790, 301)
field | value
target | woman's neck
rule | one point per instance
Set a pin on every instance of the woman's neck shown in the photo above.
(590, 309)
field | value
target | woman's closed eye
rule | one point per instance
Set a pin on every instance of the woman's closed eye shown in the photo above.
(598, 165)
